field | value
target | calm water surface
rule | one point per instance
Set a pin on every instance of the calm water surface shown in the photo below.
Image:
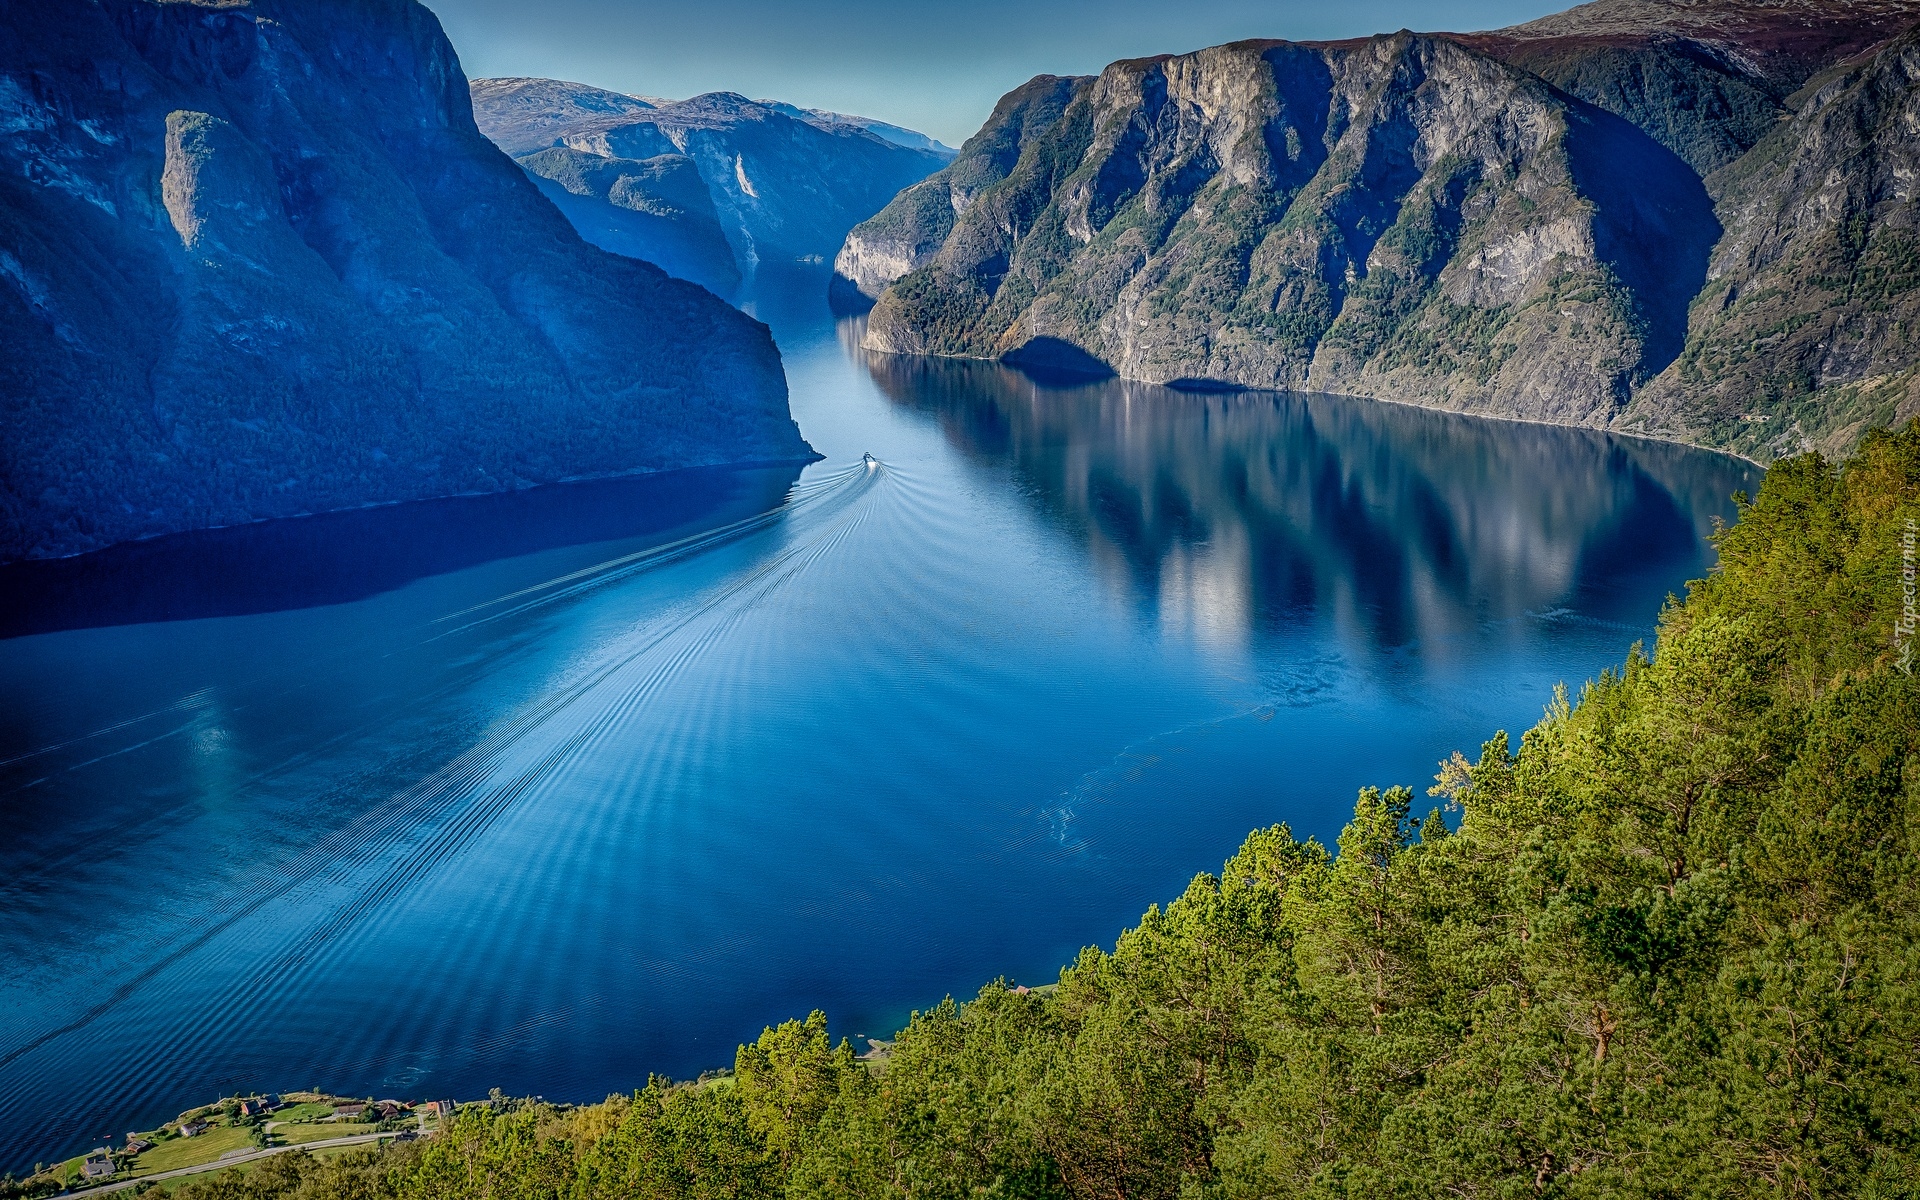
(547, 792)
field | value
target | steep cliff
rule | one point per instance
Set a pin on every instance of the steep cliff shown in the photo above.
(657, 209)
(256, 260)
(1534, 222)
(784, 184)
(911, 229)
(1808, 330)
(1400, 216)
(1706, 78)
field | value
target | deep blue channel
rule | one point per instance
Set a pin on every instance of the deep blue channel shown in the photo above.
(549, 791)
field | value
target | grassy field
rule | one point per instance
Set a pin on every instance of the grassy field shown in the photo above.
(294, 1125)
(70, 1170)
(294, 1135)
(189, 1152)
(168, 1186)
(175, 1152)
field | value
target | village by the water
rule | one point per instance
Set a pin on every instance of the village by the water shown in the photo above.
(235, 1131)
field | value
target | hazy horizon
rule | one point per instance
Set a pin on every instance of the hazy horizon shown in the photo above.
(937, 68)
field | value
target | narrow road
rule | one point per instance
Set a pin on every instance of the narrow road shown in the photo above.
(236, 1160)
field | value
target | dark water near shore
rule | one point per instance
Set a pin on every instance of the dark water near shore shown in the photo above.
(549, 791)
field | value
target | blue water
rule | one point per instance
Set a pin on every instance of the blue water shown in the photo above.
(547, 792)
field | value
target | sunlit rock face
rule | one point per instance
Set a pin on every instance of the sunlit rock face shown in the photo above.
(782, 185)
(1398, 216)
(1519, 223)
(256, 260)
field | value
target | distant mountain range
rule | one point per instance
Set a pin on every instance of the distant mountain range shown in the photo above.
(1691, 218)
(256, 260)
(713, 189)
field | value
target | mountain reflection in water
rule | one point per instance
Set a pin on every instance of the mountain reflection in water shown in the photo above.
(334, 558)
(1239, 516)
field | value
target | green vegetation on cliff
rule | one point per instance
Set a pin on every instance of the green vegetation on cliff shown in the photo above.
(1688, 220)
(1669, 947)
(1808, 329)
(1335, 217)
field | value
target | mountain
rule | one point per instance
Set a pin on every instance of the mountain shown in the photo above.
(256, 260)
(524, 115)
(1706, 78)
(1524, 223)
(657, 209)
(1808, 331)
(912, 139)
(783, 184)
(1396, 216)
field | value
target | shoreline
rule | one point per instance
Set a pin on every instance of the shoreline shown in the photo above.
(1228, 389)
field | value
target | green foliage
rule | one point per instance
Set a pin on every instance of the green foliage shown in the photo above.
(1705, 112)
(943, 313)
(786, 1081)
(1668, 948)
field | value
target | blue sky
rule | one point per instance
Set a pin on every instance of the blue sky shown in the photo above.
(937, 67)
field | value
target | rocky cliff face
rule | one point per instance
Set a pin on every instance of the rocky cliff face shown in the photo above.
(256, 260)
(1705, 78)
(1808, 330)
(909, 231)
(783, 184)
(1398, 216)
(1512, 223)
(657, 209)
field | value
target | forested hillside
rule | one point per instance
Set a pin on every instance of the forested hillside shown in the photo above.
(1665, 945)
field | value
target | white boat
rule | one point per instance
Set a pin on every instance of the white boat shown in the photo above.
(870, 460)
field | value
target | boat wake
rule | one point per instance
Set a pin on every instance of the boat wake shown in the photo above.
(318, 894)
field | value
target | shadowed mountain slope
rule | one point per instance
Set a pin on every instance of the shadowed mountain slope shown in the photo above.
(1705, 78)
(1808, 331)
(256, 260)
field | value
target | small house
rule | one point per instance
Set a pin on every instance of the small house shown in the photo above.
(389, 1109)
(252, 1108)
(138, 1145)
(193, 1128)
(350, 1111)
(98, 1165)
(440, 1108)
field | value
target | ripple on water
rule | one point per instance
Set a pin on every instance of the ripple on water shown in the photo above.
(548, 802)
